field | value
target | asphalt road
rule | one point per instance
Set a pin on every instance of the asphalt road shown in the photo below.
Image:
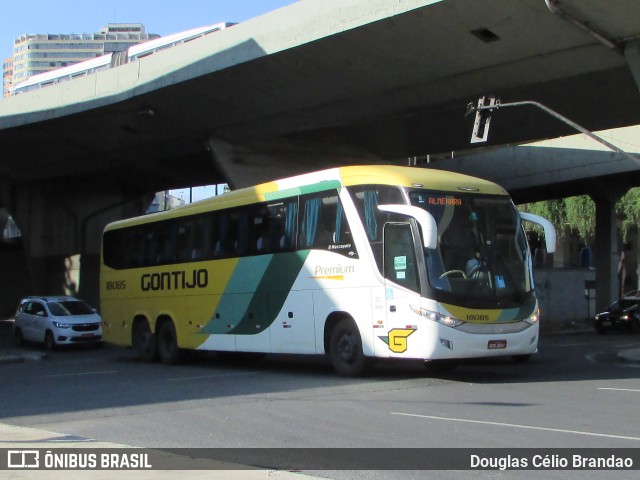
(574, 393)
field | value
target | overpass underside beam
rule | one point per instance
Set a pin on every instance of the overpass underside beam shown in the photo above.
(247, 165)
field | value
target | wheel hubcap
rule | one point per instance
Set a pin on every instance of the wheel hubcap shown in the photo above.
(346, 348)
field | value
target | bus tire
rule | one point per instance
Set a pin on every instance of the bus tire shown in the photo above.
(167, 340)
(144, 342)
(345, 349)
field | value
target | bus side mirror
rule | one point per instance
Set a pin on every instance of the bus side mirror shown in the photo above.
(425, 220)
(549, 230)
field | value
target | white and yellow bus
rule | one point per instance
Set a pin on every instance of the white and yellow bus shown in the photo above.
(353, 262)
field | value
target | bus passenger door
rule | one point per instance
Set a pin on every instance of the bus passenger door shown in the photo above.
(402, 287)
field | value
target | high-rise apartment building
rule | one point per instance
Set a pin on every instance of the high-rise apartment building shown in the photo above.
(7, 76)
(39, 53)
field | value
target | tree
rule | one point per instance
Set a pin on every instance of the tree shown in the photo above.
(579, 214)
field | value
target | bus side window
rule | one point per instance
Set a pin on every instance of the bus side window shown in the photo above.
(212, 220)
(399, 255)
(244, 239)
(201, 239)
(367, 198)
(137, 239)
(268, 223)
(324, 225)
(182, 243)
(287, 240)
(225, 246)
(166, 234)
(192, 239)
(309, 222)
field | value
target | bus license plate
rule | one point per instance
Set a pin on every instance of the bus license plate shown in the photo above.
(496, 344)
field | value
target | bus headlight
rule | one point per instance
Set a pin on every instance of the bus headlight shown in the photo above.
(534, 317)
(447, 320)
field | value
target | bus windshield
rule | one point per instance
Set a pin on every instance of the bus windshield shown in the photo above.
(482, 255)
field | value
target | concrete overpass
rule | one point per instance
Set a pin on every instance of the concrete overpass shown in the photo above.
(314, 84)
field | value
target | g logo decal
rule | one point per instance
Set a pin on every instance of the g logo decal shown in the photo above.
(397, 339)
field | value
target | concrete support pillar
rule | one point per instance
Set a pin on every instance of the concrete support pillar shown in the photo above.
(61, 232)
(606, 250)
(632, 55)
(606, 254)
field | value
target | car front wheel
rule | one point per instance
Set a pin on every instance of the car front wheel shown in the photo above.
(49, 341)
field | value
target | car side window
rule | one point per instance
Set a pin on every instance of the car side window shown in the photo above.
(28, 308)
(39, 310)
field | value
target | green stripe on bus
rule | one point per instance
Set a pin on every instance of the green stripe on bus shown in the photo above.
(292, 192)
(256, 293)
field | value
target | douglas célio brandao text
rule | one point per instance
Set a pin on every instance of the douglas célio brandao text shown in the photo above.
(550, 462)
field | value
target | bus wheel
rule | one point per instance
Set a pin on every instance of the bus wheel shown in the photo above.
(144, 342)
(345, 349)
(168, 349)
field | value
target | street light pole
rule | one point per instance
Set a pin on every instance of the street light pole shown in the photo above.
(491, 104)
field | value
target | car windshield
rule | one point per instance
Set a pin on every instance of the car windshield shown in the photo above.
(68, 308)
(623, 305)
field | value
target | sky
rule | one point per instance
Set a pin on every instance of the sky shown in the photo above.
(158, 16)
(88, 16)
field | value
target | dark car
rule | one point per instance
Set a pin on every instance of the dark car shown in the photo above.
(621, 315)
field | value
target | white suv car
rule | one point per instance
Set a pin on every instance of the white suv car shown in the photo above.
(56, 321)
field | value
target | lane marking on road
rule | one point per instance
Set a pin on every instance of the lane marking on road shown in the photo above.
(512, 425)
(79, 374)
(218, 375)
(620, 389)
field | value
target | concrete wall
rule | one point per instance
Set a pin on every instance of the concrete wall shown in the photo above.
(561, 295)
